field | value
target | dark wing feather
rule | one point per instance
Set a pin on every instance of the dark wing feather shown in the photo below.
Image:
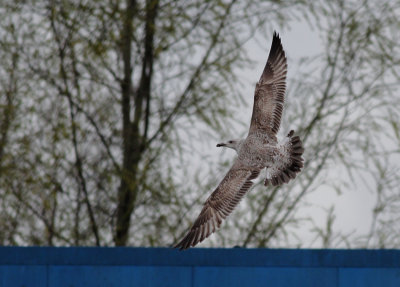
(269, 95)
(219, 205)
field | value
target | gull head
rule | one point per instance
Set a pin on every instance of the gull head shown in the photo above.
(233, 144)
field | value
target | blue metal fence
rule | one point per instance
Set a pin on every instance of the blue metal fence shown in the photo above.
(79, 266)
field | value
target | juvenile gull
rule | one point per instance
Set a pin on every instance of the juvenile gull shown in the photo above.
(259, 150)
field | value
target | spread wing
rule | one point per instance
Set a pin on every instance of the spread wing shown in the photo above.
(219, 204)
(269, 95)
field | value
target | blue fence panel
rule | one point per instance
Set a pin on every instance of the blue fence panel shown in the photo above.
(79, 266)
(369, 277)
(23, 275)
(264, 276)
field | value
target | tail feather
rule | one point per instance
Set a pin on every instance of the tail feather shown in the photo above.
(290, 166)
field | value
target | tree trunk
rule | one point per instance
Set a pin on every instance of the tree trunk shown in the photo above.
(133, 140)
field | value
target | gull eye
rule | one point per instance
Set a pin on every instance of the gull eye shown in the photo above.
(230, 142)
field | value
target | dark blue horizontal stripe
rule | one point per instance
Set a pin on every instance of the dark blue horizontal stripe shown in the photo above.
(199, 257)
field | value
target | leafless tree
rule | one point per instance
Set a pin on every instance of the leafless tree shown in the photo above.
(99, 100)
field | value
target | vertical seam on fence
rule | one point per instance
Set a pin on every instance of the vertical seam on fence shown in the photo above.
(337, 276)
(192, 276)
(47, 275)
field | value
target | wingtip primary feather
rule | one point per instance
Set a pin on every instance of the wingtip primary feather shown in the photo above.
(219, 205)
(276, 35)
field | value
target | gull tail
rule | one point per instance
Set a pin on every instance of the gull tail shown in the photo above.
(288, 163)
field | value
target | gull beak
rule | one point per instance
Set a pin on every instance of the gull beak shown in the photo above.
(221, 144)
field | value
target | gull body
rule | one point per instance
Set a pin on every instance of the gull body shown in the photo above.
(259, 150)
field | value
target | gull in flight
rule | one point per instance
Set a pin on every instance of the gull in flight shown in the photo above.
(259, 150)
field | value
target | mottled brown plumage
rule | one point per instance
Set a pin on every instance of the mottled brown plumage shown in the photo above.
(220, 204)
(259, 150)
(270, 92)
